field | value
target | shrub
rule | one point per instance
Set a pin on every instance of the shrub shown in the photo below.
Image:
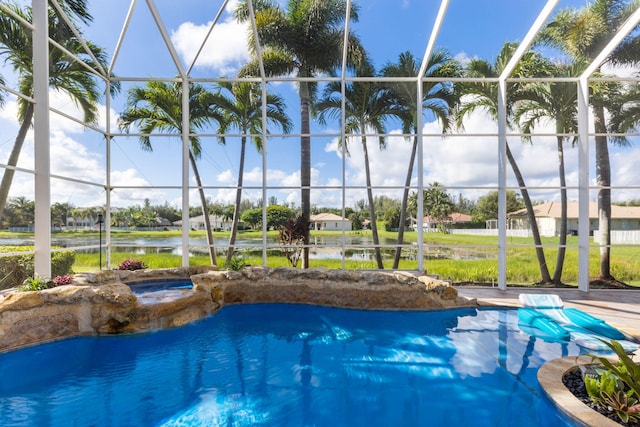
(131, 264)
(618, 386)
(35, 283)
(236, 263)
(62, 263)
(15, 269)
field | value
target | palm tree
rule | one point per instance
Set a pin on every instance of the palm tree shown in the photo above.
(158, 106)
(484, 96)
(367, 106)
(23, 210)
(240, 105)
(626, 116)
(2, 92)
(437, 98)
(305, 40)
(437, 202)
(555, 101)
(66, 74)
(582, 33)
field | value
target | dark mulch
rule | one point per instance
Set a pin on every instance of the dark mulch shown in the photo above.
(574, 382)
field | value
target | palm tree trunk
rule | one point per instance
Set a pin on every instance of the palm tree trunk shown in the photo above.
(236, 210)
(7, 178)
(403, 207)
(544, 269)
(603, 178)
(305, 168)
(372, 208)
(562, 243)
(205, 211)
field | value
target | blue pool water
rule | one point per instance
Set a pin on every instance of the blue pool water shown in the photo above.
(290, 365)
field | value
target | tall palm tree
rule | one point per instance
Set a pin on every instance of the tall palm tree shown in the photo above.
(484, 96)
(2, 92)
(367, 106)
(438, 98)
(240, 105)
(555, 101)
(66, 74)
(304, 40)
(582, 33)
(625, 110)
(157, 106)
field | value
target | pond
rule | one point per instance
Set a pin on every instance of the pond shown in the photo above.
(323, 247)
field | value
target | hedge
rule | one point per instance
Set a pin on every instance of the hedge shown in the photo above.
(15, 268)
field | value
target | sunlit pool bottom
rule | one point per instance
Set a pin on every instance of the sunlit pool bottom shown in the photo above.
(290, 365)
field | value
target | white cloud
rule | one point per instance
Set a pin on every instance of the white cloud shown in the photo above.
(225, 50)
(226, 177)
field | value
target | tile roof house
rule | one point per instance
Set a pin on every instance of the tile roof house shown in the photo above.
(329, 221)
(431, 224)
(623, 218)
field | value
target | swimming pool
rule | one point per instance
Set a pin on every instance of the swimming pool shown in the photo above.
(290, 365)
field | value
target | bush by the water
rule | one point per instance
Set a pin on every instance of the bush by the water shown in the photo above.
(15, 269)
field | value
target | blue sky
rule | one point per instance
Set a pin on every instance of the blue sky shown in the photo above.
(464, 164)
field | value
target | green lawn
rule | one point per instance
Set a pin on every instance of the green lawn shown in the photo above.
(475, 256)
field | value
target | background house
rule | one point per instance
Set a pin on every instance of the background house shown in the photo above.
(197, 222)
(623, 219)
(432, 224)
(329, 221)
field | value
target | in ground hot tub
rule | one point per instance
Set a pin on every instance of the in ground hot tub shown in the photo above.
(160, 290)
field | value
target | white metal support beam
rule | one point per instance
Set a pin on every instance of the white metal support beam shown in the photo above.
(343, 120)
(583, 184)
(185, 173)
(107, 189)
(42, 226)
(583, 154)
(442, 11)
(502, 138)
(502, 184)
(263, 78)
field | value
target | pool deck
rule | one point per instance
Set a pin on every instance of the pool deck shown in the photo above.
(618, 307)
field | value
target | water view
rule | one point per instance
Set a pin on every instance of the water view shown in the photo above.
(324, 247)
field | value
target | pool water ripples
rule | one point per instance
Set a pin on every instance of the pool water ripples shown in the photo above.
(290, 365)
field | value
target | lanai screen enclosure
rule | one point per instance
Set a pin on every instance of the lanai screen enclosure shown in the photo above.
(353, 101)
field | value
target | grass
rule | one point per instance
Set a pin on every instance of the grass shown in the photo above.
(522, 265)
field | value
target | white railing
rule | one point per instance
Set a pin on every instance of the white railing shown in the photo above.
(628, 237)
(489, 232)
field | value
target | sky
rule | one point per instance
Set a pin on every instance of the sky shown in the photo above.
(465, 164)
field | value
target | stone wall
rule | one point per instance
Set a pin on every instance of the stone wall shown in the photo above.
(337, 288)
(102, 303)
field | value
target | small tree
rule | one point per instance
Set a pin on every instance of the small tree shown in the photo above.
(278, 216)
(252, 217)
(291, 235)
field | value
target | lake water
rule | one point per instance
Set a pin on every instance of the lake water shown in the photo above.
(325, 247)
